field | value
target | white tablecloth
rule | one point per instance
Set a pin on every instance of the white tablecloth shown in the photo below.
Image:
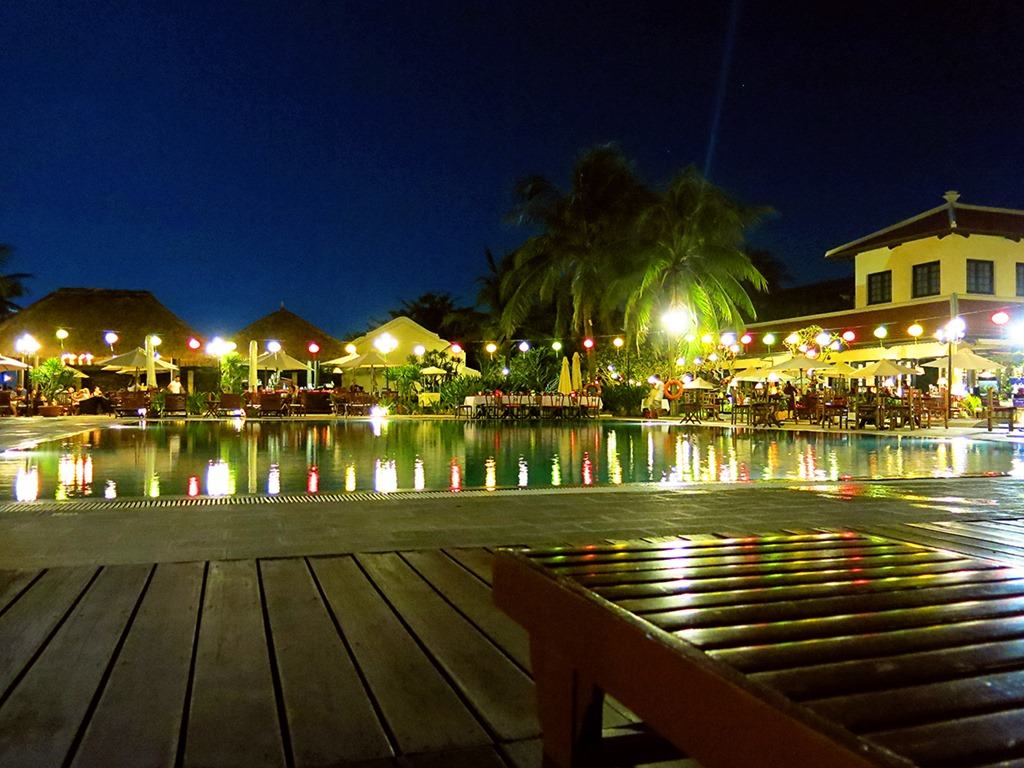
(546, 401)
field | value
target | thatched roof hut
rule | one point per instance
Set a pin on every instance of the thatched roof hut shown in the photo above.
(87, 314)
(293, 332)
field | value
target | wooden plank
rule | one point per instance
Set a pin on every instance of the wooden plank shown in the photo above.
(967, 741)
(138, 718)
(232, 717)
(768, 595)
(330, 717)
(11, 585)
(473, 598)
(500, 691)
(772, 657)
(393, 665)
(851, 677)
(948, 541)
(859, 603)
(830, 576)
(477, 757)
(942, 700)
(29, 621)
(40, 720)
(476, 561)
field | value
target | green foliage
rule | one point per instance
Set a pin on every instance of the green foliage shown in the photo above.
(535, 370)
(233, 371)
(624, 399)
(437, 359)
(195, 403)
(156, 402)
(52, 377)
(404, 378)
(971, 404)
(456, 389)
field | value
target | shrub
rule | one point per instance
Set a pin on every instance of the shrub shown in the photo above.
(624, 399)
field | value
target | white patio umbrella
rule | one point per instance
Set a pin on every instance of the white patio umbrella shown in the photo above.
(564, 379)
(839, 370)
(884, 368)
(10, 364)
(699, 383)
(279, 361)
(799, 363)
(433, 370)
(577, 374)
(135, 360)
(762, 374)
(966, 360)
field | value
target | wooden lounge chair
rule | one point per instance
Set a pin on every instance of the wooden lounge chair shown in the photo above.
(131, 404)
(271, 404)
(816, 650)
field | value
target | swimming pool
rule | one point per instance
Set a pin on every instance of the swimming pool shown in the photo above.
(238, 458)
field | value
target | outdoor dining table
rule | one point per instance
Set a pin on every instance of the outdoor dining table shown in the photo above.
(479, 402)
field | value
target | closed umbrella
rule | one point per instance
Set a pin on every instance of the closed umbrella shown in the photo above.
(564, 379)
(577, 374)
(254, 354)
(150, 364)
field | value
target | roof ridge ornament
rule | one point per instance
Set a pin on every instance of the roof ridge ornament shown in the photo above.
(951, 197)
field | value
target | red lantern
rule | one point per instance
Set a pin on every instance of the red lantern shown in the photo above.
(588, 343)
(746, 338)
(456, 349)
(194, 343)
(849, 336)
(313, 347)
(1001, 317)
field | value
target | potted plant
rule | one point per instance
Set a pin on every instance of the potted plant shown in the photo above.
(52, 378)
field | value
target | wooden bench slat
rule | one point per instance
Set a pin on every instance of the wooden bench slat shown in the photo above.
(27, 624)
(990, 738)
(766, 596)
(330, 717)
(40, 719)
(233, 713)
(682, 560)
(768, 657)
(393, 665)
(138, 718)
(984, 536)
(700, 541)
(578, 557)
(685, 586)
(476, 561)
(476, 757)
(860, 604)
(950, 541)
(799, 566)
(861, 675)
(920, 704)
(500, 691)
(883, 622)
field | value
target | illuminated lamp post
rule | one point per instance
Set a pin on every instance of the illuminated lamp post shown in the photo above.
(915, 331)
(314, 364)
(111, 339)
(27, 346)
(880, 333)
(769, 341)
(61, 337)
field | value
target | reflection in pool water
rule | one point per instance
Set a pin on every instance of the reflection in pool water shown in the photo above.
(229, 458)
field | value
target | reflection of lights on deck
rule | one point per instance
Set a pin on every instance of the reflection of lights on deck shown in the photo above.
(274, 480)
(110, 492)
(385, 476)
(490, 474)
(524, 472)
(556, 471)
(350, 478)
(193, 485)
(456, 476)
(218, 479)
(313, 479)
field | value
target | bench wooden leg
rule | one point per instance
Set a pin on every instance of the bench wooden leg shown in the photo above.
(569, 708)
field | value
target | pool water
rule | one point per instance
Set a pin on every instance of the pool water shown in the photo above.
(229, 458)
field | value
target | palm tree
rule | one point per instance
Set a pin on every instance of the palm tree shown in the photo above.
(690, 257)
(11, 286)
(583, 237)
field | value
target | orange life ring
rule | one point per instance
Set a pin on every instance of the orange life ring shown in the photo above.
(673, 389)
(592, 389)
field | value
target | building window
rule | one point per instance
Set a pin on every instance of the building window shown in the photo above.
(926, 280)
(1020, 279)
(880, 287)
(979, 276)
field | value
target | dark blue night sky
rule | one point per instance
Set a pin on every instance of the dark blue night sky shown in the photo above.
(343, 156)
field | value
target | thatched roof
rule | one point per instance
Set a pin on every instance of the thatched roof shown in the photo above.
(88, 313)
(293, 332)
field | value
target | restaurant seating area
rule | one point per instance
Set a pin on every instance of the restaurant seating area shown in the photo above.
(529, 406)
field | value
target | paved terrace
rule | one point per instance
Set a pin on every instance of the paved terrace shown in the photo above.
(246, 632)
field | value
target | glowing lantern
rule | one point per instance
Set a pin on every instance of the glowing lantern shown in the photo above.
(915, 330)
(707, 338)
(419, 350)
(313, 347)
(588, 343)
(793, 338)
(111, 339)
(456, 349)
(849, 336)
(676, 321)
(769, 339)
(617, 342)
(524, 346)
(557, 346)
(680, 361)
(999, 318)
(350, 349)
(194, 343)
(491, 348)
(881, 332)
(273, 347)
(745, 339)
(823, 338)
(727, 339)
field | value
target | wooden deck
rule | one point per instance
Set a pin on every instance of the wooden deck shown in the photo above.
(390, 659)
